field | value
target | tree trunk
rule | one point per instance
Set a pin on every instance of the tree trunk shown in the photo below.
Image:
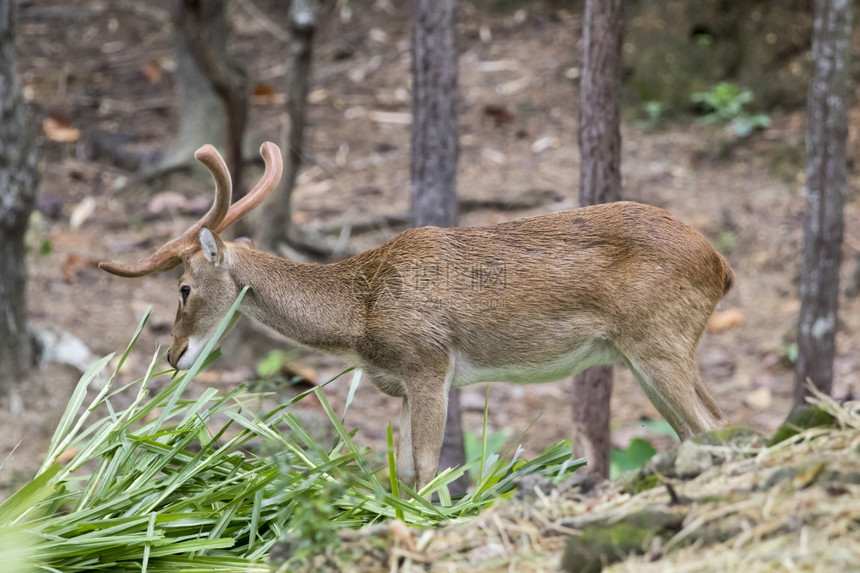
(600, 182)
(304, 16)
(434, 159)
(18, 178)
(202, 31)
(826, 139)
(202, 113)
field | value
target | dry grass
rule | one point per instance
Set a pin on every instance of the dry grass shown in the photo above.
(794, 506)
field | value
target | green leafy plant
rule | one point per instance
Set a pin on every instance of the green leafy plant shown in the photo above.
(38, 237)
(659, 426)
(724, 104)
(163, 482)
(474, 444)
(271, 372)
(270, 366)
(634, 457)
(654, 115)
(787, 354)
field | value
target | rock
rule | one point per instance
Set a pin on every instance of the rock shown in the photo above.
(737, 436)
(663, 463)
(55, 345)
(692, 460)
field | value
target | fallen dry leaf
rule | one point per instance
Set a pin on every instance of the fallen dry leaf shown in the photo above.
(58, 128)
(318, 96)
(264, 94)
(294, 370)
(726, 319)
(790, 306)
(807, 475)
(82, 211)
(759, 399)
(71, 266)
(152, 72)
(391, 117)
(498, 113)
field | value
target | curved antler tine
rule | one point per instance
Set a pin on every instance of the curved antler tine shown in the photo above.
(274, 168)
(170, 255)
(212, 160)
(159, 261)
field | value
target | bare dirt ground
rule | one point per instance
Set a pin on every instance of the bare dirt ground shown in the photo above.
(108, 66)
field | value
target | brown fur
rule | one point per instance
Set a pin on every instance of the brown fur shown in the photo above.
(517, 301)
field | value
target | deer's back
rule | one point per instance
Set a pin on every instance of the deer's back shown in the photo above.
(611, 270)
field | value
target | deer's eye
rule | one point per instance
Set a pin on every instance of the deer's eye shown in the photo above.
(184, 291)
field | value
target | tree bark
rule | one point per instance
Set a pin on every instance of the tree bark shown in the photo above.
(18, 179)
(826, 140)
(434, 155)
(600, 182)
(434, 115)
(201, 28)
(304, 17)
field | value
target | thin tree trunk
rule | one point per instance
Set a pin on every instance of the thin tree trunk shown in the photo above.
(600, 182)
(434, 115)
(434, 159)
(18, 179)
(826, 140)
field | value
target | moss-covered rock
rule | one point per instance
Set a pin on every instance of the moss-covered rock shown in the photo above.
(604, 543)
(801, 418)
(729, 436)
(693, 459)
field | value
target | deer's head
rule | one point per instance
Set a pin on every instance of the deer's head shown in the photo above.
(206, 288)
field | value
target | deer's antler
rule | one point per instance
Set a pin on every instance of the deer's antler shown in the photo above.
(270, 179)
(220, 216)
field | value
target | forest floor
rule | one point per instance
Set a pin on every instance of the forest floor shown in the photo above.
(97, 66)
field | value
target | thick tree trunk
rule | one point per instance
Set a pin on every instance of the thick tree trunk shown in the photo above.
(304, 17)
(18, 178)
(202, 112)
(434, 158)
(826, 140)
(600, 182)
(202, 29)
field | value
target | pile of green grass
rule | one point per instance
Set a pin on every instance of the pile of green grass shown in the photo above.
(177, 484)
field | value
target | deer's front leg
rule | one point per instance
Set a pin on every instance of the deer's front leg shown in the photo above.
(427, 410)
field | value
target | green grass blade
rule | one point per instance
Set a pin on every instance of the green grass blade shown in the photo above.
(392, 469)
(19, 503)
(64, 434)
(353, 386)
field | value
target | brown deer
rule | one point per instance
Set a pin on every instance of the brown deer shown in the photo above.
(532, 300)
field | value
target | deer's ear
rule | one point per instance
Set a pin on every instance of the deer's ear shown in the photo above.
(212, 246)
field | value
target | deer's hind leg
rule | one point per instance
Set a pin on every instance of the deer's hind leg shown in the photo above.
(672, 383)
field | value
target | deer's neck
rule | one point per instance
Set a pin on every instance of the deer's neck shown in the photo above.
(312, 304)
